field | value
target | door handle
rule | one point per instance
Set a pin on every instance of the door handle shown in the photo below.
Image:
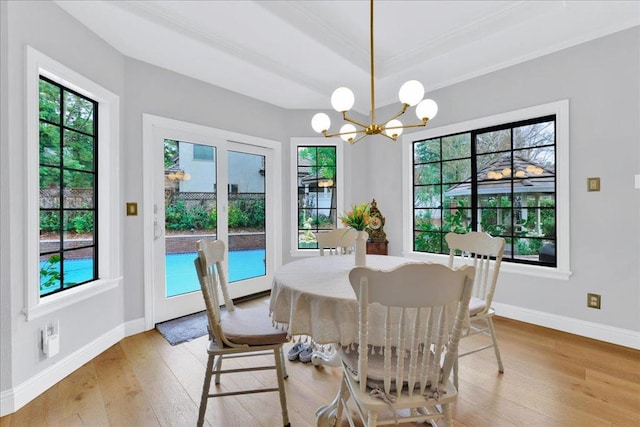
(157, 230)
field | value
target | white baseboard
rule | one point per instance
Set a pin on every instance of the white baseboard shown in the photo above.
(133, 327)
(623, 337)
(15, 398)
(6, 403)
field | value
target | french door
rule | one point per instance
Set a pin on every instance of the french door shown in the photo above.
(206, 186)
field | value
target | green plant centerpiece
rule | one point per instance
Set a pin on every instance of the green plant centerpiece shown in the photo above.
(358, 219)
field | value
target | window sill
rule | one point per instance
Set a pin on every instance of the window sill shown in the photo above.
(298, 253)
(69, 297)
(506, 267)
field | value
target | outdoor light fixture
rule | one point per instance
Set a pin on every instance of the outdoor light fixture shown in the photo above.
(179, 175)
(506, 172)
(410, 94)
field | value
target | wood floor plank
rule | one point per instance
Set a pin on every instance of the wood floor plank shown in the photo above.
(124, 397)
(6, 420)
(161, 385)
(80, 398)
(39, 412)
(188, 368)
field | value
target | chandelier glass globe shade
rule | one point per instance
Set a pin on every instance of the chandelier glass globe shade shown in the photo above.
(411, 92)
(320, 122)
(393, 123)
(342, 99)
(427, 109)
(349, 132)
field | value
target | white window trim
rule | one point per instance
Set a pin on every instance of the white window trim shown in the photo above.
(312, 141)
(561, 111)
(109, 249)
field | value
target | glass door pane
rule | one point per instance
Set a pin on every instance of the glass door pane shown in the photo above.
(246, 216)
(190, 210)
(212, 188)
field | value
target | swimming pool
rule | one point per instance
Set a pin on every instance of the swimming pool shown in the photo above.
(181, 275)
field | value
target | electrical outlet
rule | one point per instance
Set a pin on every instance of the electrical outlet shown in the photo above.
(593, 301)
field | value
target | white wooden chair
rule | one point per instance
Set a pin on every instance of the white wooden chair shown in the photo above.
(235, 332)
(405, 380)
(485, 253)
(339, 241)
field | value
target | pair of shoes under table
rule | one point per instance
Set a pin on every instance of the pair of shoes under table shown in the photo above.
(300, 351)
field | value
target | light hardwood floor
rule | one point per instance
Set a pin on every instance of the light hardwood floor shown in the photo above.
(551, 379)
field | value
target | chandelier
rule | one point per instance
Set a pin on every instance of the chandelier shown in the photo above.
(342, 99)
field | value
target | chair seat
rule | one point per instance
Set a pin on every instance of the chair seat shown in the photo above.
(476, 305)
(251, 326)
(449, 393)
(375, 369)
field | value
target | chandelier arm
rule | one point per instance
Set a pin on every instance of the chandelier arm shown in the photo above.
(350, 120)
(331, 135)
(390, 137)
(401, 112)
(415, 125)
(357, 139)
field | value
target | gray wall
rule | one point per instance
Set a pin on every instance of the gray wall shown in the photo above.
(599, 78)
(154, 90)
(44, 26)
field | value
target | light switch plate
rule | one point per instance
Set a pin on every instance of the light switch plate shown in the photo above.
(132, 209)
(593, 184)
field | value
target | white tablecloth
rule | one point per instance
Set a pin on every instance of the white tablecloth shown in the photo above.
(313, 296)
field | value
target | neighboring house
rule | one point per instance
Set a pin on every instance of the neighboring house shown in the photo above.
(246, 172)
(531, 179)
(317, 194)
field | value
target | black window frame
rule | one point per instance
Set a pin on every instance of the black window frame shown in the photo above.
(475, 206)
(330, 183)
(61, 209)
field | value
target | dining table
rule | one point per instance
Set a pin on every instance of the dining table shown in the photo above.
(313, 297)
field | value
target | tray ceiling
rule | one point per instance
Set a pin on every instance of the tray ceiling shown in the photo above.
(293, 54)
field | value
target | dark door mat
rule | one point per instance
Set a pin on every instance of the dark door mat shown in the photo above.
(184, 328)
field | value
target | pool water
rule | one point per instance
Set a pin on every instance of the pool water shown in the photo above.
(181, 275)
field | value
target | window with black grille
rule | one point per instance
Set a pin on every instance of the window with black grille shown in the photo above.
(68, 129)
(501, 180)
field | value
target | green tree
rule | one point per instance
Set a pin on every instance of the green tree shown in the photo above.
(70, 149)
(322, 160)
(170, 152)
(50, 273)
